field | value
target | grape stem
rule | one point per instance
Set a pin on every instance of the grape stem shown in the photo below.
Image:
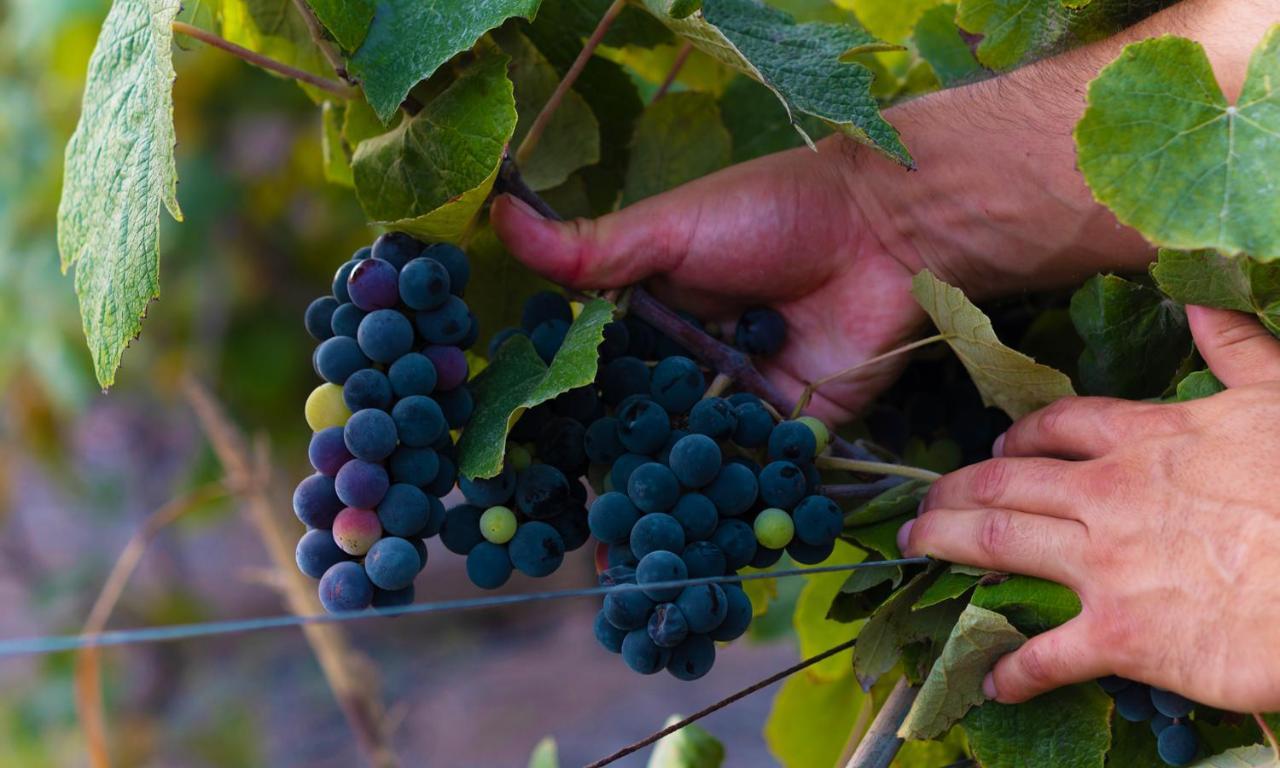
(1265, 727)
(876, 468)
(548, 111)
(341, 90)
(813, 388)
(674, 72)
(881, 744)
(859, 491)
(326, 46)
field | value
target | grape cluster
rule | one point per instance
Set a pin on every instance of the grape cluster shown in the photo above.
(392, 339)
(1168, 713)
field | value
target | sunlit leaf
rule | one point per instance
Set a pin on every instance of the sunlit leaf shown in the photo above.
(677, 139)
(690, 747)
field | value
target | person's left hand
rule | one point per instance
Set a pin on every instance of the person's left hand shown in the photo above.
(1164, 518)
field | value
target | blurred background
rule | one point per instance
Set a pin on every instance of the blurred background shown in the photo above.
(81, 470)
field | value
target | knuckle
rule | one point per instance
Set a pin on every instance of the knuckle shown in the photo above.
(1052, 418)
(922, 532)
(1038, 663)
(1167, 419)
(583, 250)
(989, 481)
(994, 533)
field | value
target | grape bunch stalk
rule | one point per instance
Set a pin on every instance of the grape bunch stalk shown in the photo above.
(391, 353)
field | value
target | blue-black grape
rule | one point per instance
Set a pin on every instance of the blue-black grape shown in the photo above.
(447, 324)
(761, 332)
(642, 654)
(581, 404)
(345, 587)
(457, 405)
(702, 559)
(424, 284)
(502, 337)
(450, 364)
(620, 474)
(435, 520)
(415, 466)
(370, 434)
(544, 306)
(792, 441)
(328, 451)
(609, 636)
(460, 532)
(404, 511)
(488, 565)
(695, 460)
(734, 490)
(657, 532)
(617, 574)
(616, 340)
(455, 261)
(612, 516)
(818, 520)
(622, 378)
(1159, 722)
(704, 606)
(446, 476)
(765, 557)
(340, 281)
(337, 358)
(737, 617)
(419, 421)
(395, 248)
(713, 417)
(627, 609)
(810, 554)
(657, 567)
(1134, 703)
(667, 626)
(1171, 704)
(374, 284)
(653, 487)
(412, 374)
(385, 336)
(621, 555)
(753, 426)
(693, 658)
(367, 388)
(782, 485)
(601, 441)
(572, 527)
(643, 426)
(392, 563)
(316, 501)
(537, 549)
(543, 491)
(737, 541)
(1178, 744)
(318, 318)
(346, 320)
(677, 384)
(696, 515)
(485, 492)
(547, 339)
(361, 484)
(1111, 684)
(317, 552)
(562, 443)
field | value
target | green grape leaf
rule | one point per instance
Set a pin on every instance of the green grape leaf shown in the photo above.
(359, 123)
(892, 21)
(892, 626)
(409, 40)
(1210, 279)
(1032, 605)
(954, 685)
(1197, 385)
(276, 29)
(815, 632)
(1132, 744)
(1005, 378)
(811, 719)
(1066, 728)
(1256, 756)
(758, 123)
(951, 584)
(1135, 338)
(760, 591)
(898, 500)
(347, 20)
(939, 42)
(333, 150)
(678, 138)
(545, 755)
(1160, 146)
(881, 537)
(119, 171)
(799, 63)
(498, 299)
(572, 137)
(1012, 30)
(431, 174)
(517, 380)
(690, 747)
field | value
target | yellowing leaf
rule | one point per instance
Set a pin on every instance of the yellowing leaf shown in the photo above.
(810, 720)
(1005, 377)
(814, 630)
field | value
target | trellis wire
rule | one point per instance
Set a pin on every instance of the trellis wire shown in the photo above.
(56, 643)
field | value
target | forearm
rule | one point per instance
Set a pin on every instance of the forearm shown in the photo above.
(998, 204)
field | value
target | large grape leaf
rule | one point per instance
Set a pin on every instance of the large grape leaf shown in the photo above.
(758, 123)
(1006, 378)
(892, 21)
(953, 583)
(690, 747)
(1132, 744)
(517, 380)
(815, 632)
(1160, 146)
(954, 685)
(678, 138)
(811, 719)
(119, 171)
(1135, 338)
(276, 29)
(1196, 385)
(1256, 756)
(409, 40)
(1066, 728)
(1210, 279)
(347, 20)
(333, 150)
(894, 625)
(1012, 30)
(898, 500)
(800, 64)
(938, 40)
(1032, 605)
(431, 174)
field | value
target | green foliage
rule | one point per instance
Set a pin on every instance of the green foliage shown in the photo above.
(347, 20)
(1032, 605)
(1135, 338)
(898, 500)
(1066, 728)
(429, 182)
(1006, 378)
(1158, 121)
(953, 583)
(545, 755)
(689, 747)
(1197, 385)
(938, 39)
(1012, 30)
(894, 626)
(1210, 279)
(1257, 756)
(814, 630)
(892, 21)
(811, 719)
(119, 172)
(277, 30)
(758, 123)
(678, 138)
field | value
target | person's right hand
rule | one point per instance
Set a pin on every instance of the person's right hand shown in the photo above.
(784, 231)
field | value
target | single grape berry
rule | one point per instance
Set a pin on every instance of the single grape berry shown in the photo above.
(460, 532)
(318, 318)
(622, 378)
(415, 466)
(655, 532)
(734, 490)
(316, 502)
(704, 606)
(457, 405)
(792, 441)
(611, 518)
(642, 654)
(782, 484)
(424, 284)
(761, 332)
(324, 408)
(1171, 704)
(753, 426)
(653, 487)
(737, 541)
(340, 281)
(485, 492)
(818, 520)
(327, 451)
(447, 324)
(488, 565)
(774, 528)
(537, 549)
(601, 441)
(404, 511)
(392, 563)
(455, 261)
(643, 426)
(396, 248)
(693, 658)
(1178, 744)
(345, 587)
(374, 284)
(661, 566)
(543, 491)
(1134, 703)
(677, 384)
(696, 515)
(346, 320)
(317, 552)
(1113, 684)
(367, 388)
(667, 626)
(385, 336)
(370, 434)
(419, 421)
(356, 530)
(810, 554)
(702, 559)
(498, 524)
(627, 609)
(695, 460)
(445, 477)
(361, 484)
(609, 636)
(337, 358)
(737, 615)
(713, 417)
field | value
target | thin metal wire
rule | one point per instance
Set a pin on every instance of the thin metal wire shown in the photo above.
(56, 643)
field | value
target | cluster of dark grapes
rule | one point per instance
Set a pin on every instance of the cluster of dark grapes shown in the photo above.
(392, 336)
(1167, 712)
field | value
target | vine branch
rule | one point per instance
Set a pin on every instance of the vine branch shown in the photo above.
(327, 48)
(858, 491)
(341, 90)
(674, 72)
(543, 119)
(881, 744)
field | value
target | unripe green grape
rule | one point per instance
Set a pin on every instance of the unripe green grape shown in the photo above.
(820, 431)
(774, 528)
(498, 524)
(518, 457)
(325, 408)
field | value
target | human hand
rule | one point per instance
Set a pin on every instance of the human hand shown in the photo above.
(1164, 519)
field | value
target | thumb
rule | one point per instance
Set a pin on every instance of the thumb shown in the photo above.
(1047, 661)
(1238, 349)
(615, 250)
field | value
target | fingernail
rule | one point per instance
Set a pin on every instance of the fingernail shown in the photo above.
(904, 533)
(524, 208)
(997, 448)
(989, 686)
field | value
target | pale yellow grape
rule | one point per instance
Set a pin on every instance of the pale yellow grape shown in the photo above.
(498, 524)
(325, 408)
(774, 528)
(819, 430)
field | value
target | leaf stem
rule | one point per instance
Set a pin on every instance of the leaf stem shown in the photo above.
(876, 468)
(813, 388)
(858, 491)
(540, 122)
(341, 90)
(326, 46)
(674, 72)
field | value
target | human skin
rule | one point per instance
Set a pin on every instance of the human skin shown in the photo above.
(832, 238)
